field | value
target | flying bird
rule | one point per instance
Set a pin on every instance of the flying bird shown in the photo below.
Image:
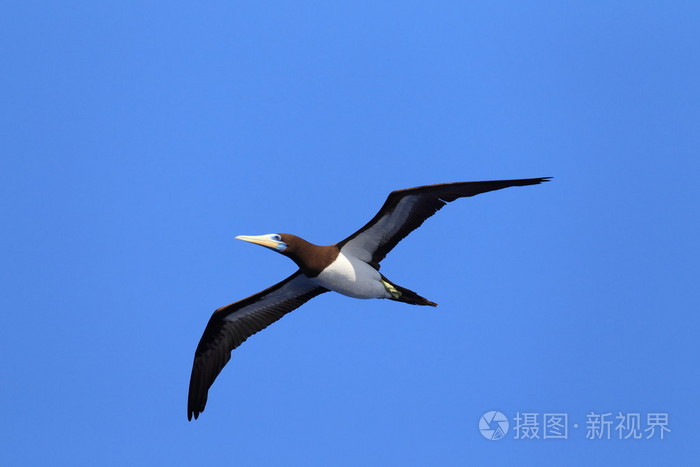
(349, 267)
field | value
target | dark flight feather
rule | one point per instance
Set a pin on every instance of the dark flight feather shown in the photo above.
(232, 324)
(405, 210)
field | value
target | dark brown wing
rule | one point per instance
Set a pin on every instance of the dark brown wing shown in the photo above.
(232, 324)
(405, 210)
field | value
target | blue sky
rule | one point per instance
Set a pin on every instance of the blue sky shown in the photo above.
(139, 138)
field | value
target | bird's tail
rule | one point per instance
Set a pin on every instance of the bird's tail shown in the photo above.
(401, 294)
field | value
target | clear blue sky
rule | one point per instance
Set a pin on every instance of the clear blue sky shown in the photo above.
(138, 138)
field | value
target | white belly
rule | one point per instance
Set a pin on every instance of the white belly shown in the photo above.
(352, 277)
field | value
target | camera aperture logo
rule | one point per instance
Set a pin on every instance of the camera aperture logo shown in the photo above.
(493, 425)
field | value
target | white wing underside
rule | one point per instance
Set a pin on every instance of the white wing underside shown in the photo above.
(366, 243)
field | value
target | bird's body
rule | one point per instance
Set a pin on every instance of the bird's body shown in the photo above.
(353, 277)
(350, 267)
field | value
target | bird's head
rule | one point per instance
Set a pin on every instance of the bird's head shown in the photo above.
(272, 241)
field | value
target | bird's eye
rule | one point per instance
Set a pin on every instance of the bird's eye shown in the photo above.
(276, 237)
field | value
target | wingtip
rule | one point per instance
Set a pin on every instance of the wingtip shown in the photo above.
(529, 181)
(536, 181)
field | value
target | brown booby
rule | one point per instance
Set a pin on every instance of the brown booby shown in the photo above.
(350, 267)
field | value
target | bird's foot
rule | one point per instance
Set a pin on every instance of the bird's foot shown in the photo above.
(391, 289)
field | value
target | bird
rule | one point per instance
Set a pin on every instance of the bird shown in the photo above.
(349, 267)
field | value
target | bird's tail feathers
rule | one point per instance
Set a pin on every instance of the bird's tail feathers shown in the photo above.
(402, 294)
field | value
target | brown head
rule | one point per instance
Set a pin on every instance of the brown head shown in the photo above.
(311, 259)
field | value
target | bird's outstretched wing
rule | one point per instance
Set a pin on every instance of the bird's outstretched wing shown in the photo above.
(232, 324)
(405, 210)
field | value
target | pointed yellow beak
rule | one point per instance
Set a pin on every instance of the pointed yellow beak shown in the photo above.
(270, 241)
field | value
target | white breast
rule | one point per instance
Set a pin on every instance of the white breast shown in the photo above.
(352, 277)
